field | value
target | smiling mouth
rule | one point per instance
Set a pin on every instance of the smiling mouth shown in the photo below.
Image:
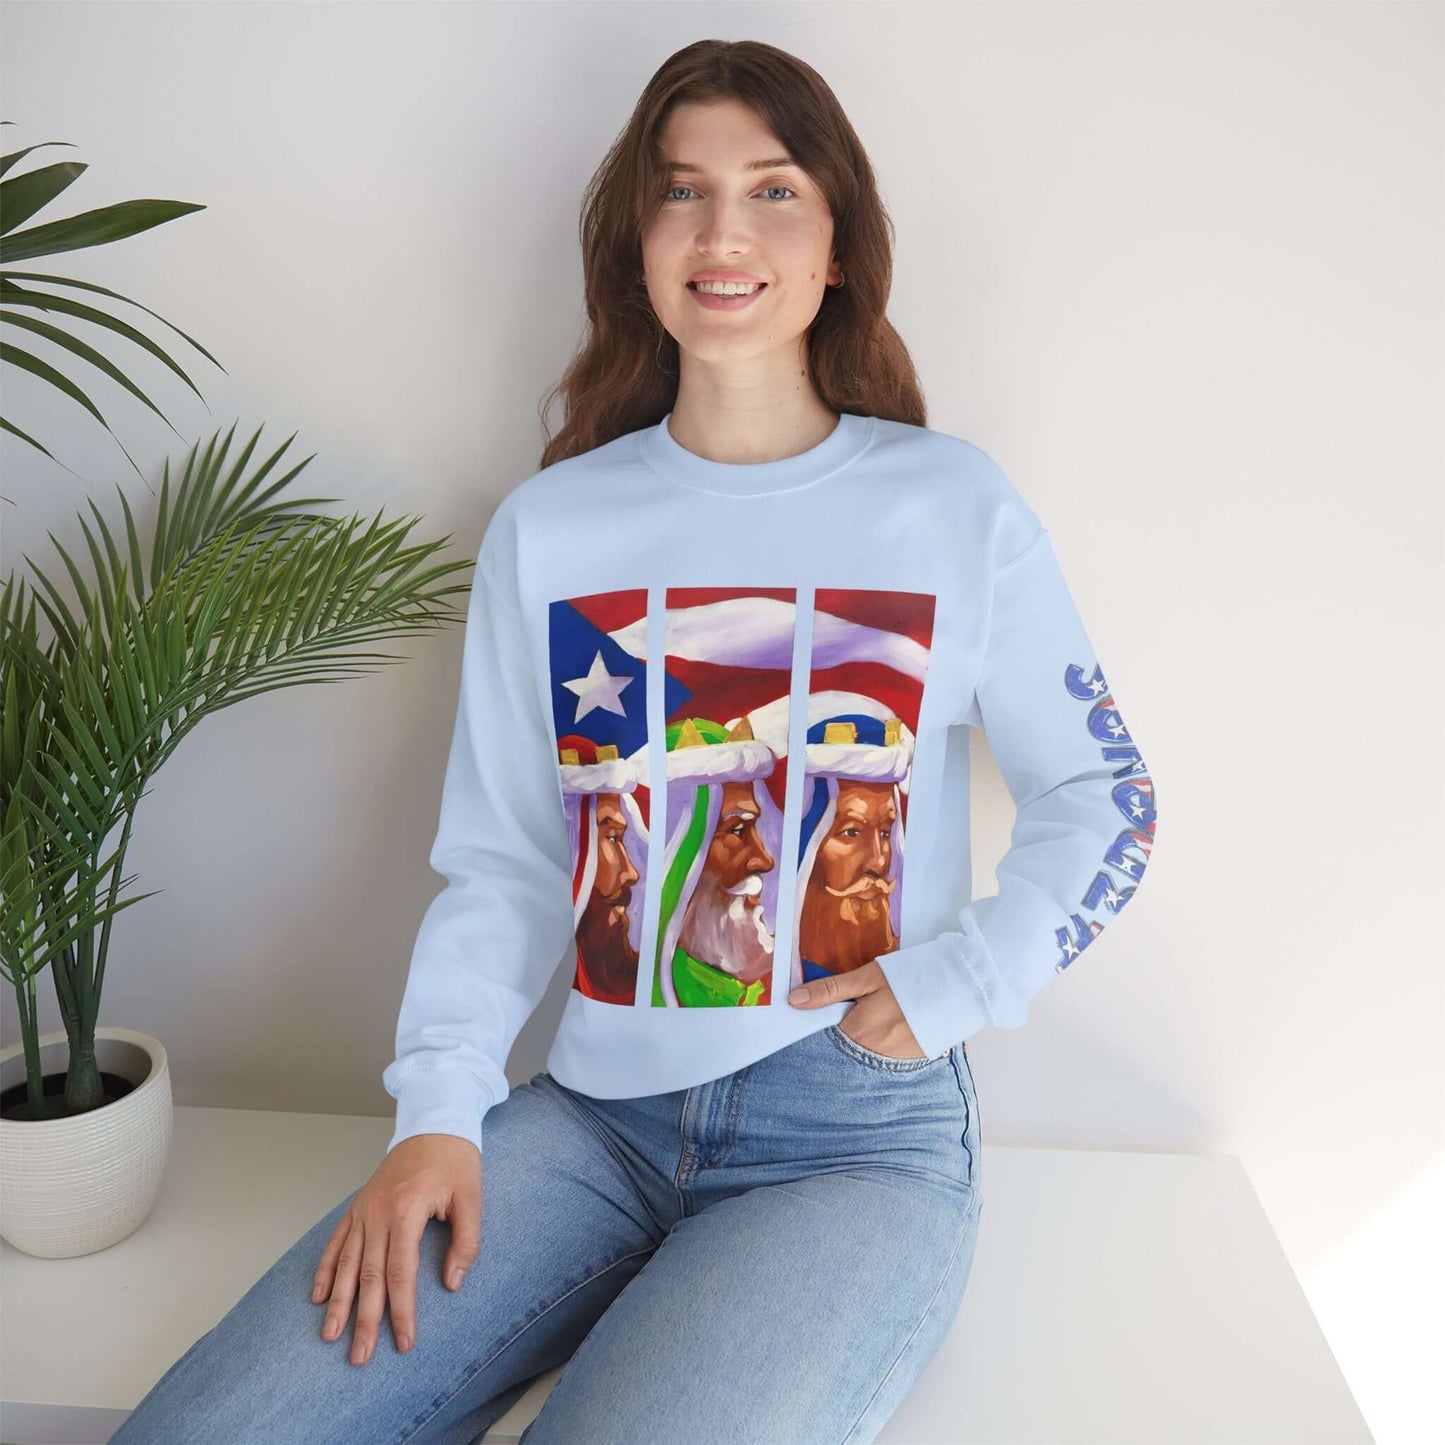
(738, 301)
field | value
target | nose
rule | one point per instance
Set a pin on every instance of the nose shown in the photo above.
(721, 233)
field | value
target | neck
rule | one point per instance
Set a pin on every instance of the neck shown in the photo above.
(750, 427)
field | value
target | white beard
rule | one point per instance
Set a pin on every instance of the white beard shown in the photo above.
(733, 937)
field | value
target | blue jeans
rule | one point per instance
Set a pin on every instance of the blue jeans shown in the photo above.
(773, 1255)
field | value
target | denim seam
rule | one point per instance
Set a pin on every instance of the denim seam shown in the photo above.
(591, 1123)
(504, 1347)
(732, 1119)
(580, 1113)
(968, 1111)
(927, 1309)
(870, 1058)
(582, 1344)
(684, 1151)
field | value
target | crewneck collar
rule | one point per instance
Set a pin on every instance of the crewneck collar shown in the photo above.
(848, 440)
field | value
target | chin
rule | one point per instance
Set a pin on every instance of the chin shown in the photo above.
(710, 351)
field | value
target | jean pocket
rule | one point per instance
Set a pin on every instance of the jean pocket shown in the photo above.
(871, 1059)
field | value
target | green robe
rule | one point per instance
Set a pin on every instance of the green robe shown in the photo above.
(700, 985)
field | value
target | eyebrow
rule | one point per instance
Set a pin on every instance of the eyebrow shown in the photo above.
(769, 165)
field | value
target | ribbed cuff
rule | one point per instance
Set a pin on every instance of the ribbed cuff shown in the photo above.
(440, 1101)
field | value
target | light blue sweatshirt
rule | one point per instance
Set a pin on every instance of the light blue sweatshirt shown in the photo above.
(710, 744)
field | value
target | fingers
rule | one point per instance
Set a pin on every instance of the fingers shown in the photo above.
(824, 990)
(367, 1263)
(343, 1286)
(372, 1300)
(326, 1270)
(466, 1222)
(402, 1258)
(838, 987)
(374, 1252)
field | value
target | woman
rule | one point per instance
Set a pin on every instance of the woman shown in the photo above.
(728, 626)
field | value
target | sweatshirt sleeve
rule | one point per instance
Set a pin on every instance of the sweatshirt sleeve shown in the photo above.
(1084, 824)
(490, 941)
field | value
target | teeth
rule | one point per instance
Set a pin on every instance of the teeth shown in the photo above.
(727, 288)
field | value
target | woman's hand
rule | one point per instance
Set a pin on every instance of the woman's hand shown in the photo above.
(378, 1240)
(878, 1022)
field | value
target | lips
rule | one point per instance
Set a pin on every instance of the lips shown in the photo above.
(710, 302)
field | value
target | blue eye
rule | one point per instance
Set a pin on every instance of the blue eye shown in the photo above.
(778, 187)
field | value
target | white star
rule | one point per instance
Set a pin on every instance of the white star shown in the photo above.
(598, 689)
(1097, 685)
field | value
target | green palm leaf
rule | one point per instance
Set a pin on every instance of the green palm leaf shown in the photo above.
(21, 198)
(244, 592)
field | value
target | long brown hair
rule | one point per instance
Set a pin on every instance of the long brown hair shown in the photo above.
(624, 375)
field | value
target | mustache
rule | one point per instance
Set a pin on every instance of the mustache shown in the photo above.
(884, 886)
(750, 885)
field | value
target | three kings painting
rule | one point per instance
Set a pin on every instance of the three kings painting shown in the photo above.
(728, 714)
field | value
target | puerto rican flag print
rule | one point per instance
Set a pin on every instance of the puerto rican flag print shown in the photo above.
(597, 648)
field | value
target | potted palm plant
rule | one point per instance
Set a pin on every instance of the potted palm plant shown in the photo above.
(241, 593)
(236, 592)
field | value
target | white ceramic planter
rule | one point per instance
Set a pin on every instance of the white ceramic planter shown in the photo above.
(73, 1186)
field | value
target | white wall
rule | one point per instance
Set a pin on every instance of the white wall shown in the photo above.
(1176, 266)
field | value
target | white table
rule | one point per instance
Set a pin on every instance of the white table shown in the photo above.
(1115, 1299)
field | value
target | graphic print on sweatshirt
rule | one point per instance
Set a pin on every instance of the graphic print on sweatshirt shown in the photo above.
(1133, 796)
(727, 712)
(869, 661)
(727, 706)
(597, 647)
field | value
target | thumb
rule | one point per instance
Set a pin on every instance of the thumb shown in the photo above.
(466, 1221)
(838, 986)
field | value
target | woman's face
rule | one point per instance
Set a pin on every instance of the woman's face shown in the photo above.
(770, 223)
